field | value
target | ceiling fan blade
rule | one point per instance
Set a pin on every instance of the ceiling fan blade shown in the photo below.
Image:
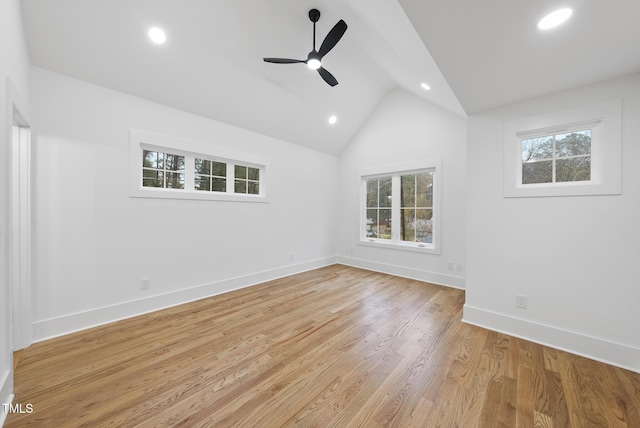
(282, 60)
(328, 77)
(332, 38)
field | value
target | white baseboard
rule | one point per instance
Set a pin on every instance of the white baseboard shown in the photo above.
(54, 327)
(616, 354)
(405, 272)
(6, 394)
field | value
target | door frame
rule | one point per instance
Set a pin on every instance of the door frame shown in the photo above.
(19, 219)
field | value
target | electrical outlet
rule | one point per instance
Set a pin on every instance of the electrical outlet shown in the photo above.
(450, 265)
(521, 301)
(145, 284)
(459, 267)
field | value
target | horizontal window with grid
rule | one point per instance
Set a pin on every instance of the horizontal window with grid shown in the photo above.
(178, 172)
(166, 167)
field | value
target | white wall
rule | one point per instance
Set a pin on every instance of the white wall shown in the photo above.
(94, 242)
(405, 128)
(14, 66)
(575, 258)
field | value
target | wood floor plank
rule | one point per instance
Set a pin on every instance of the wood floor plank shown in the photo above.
(332, 347)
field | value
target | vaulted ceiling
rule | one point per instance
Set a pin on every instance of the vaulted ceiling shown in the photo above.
(473, 54)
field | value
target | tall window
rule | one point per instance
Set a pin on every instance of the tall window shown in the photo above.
(416, 210)
(378, 216)
(247, 180)
(399, 209)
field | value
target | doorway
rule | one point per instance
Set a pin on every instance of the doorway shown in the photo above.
(20, 231)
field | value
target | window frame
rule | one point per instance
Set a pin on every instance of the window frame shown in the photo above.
(595, 151)
(603, 118)
(143, 140)
(396, 171)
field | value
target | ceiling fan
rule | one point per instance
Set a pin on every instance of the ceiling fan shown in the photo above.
(314, 59)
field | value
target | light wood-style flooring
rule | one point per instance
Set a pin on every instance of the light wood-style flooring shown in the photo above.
(333, 347)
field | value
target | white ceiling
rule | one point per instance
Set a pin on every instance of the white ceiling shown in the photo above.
(492, 54)
(489, 52)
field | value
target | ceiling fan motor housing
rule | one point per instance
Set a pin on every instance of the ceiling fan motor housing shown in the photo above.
(314, 15)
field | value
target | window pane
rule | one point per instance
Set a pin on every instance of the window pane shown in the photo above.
(202, 182)
(537, 148)
(152, 178)
(174, 162)
(408, 190)
(573, 144)
(384, 192)
(240, 186)
(372, 192)
(219, 169)
(175, 180)
(253, 174)
(407, 224)
(537, 172)
(152, 159)
(573, 169)
(371, 230)
(203, 166)
(424, 190)
(253, 188)
(424, 226)
(219, 184)
(241, 171)
(384, 224)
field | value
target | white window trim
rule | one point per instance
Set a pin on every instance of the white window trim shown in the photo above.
(143, 140)
(403, 169)
(606, 150)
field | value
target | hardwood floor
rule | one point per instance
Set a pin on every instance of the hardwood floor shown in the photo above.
(334, 347)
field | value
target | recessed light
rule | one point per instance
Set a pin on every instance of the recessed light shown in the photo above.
(157, 35)
(425, 86)
(554, 18)
(333, 120)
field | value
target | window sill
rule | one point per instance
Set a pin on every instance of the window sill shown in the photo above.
(409, 246)
(198, 196)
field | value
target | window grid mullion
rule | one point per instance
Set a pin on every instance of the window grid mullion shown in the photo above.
(395, 208)
(231, 177)
(553, 161)
(190, 172)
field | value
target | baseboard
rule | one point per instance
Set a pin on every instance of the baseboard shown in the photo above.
(405, 272)
(6, 394)
(59, 326)
(616, 354)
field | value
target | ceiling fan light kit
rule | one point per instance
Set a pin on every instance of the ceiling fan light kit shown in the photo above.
(314, 59)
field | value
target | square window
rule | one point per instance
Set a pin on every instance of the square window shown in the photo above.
(557, 157)
(162, 170)
(210, 175)
(572, 152)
